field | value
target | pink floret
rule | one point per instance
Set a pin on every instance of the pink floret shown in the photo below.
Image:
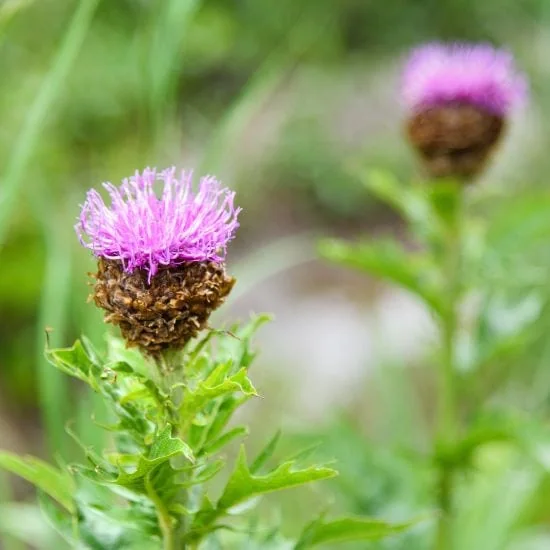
(156, 219)
(476, 74)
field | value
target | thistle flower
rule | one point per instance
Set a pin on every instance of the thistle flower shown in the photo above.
(459, 96)
(161, 250)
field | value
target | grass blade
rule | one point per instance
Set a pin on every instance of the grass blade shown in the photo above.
(38, 112)
(166, 51)
(56, 287)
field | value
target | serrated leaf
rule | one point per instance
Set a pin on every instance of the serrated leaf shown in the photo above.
(75, 362)
(216, 385)
(243, 485)
(387, 260)
(163, 448)
(50, 480)
(348, 529)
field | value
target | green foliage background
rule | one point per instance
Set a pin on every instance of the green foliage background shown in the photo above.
(278, 99)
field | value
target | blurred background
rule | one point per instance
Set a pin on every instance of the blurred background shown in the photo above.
(278, 99)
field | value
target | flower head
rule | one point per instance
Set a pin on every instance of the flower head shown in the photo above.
(473, 74)
(161, 248)
(156, 219)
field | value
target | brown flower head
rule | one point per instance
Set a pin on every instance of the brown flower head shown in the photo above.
(458, 97)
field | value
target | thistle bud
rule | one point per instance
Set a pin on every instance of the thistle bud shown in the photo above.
(458, 98)
(161, 249)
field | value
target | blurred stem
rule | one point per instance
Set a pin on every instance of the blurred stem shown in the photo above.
(448, 421)
(447, 418)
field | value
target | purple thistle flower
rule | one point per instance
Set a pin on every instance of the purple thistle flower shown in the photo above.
(156, 219)
(474, 74)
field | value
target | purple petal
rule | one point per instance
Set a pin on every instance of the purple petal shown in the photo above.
(478, 74)
(156, 219)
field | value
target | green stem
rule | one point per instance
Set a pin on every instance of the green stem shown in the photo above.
(171, 372)
(165, 520)
(448, 417)
(447, 431)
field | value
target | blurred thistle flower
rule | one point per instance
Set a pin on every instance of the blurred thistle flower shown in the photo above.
(458, 96)
(161, 250)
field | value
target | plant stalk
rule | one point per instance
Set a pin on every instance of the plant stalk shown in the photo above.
(448, 417)
(171, 370)
(165, 520)
(447, 431)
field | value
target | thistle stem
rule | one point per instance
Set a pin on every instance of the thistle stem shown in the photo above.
(165, 520)
(447, 432)
(170, 365)
(448, 417)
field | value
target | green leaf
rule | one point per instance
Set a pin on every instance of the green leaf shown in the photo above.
(57, 484)
(387, 260)
(204, 473)
(243, 485)
(163, 448)
(75, 362)
(117, 352)
(410, 201)
(101, 527)
(224, 413)
(216, 385)
(348, 530)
